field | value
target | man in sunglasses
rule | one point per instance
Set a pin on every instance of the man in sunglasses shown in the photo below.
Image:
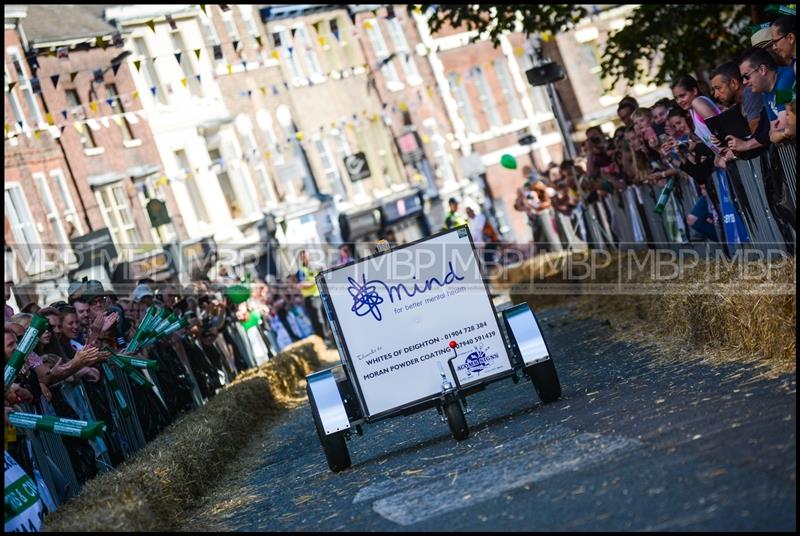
(762, 75)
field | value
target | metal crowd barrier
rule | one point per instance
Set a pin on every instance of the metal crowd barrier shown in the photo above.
(53, 470)
(747, 179)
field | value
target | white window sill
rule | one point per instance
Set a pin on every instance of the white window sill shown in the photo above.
(130, 144)
(395, 86)
(414, 80)
(95, 151)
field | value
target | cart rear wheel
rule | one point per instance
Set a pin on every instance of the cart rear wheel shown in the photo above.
(545, 380)
(334, 446)
(456, 420)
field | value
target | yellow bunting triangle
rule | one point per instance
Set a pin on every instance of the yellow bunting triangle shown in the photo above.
(78, 126)
(137, 64)
(197, 52)
(49, 118)
(425, 138)
(275, 54)
(299, 136)
(367, 25)
(322, 40)
(37, 133)
(519, 51)
(230, 69)
(135, 95)
(183, 81)
(263, 91)
(152, 24)
(203, 7)
(100, 42)
(403, 106)
(93, 105)
(162, 181)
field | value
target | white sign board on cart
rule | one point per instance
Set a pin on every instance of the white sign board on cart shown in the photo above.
(396, 313)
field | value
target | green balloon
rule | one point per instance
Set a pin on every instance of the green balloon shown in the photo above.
(508, 161)
(238, 294)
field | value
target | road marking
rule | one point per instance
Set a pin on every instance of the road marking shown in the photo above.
(490, 472)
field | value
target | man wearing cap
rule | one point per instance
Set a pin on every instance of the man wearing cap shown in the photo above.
(452, 219)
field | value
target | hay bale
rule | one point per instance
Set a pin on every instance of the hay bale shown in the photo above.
(152, 490)
(743, 311)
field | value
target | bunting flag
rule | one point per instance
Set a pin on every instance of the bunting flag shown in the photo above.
(49, 118)
(274, 90)
(197, 52)
(203, 7)
(72, 76)
(263, 91)
(244, 65)
(153, 90)
(137, 64)
(172, 24)
(235, 45)
(98, 76)
(258, 40)
(224, 7)
(115, 67)
(367, 25)
(54, 80)
(178, 57)
(135, 95)
(100, 42)
(321, 40)
(64, 113)
(230, 69)
(78, 127)
(11, 85)
(93, 105)
(116, 38)
(275, 54)
(152, 24)
(198, 78)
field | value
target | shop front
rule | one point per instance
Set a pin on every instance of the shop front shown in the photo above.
(361, 228)
(404, 217)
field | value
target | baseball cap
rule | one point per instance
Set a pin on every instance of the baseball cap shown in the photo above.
(762, 38)
(142, 291)
(94, 289)
(75, 289)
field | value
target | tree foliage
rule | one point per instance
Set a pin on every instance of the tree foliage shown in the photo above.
(659, 42)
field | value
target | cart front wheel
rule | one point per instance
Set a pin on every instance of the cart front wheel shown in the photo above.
(545, 380)
(334, 446)
(456, 420)
(336, 452)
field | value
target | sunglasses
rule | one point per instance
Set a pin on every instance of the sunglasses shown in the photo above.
(747, 76)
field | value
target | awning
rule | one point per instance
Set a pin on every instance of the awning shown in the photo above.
(140, 172)
(98, 181)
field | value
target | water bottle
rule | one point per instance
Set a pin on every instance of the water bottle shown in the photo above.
(664, 196)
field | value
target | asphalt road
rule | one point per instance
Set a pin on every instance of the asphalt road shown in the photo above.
(635, 443)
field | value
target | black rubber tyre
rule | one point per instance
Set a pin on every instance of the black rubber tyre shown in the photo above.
(545, 381)
(334, 446)
(456, 420)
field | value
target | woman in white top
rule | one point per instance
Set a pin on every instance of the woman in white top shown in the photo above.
(689, 97)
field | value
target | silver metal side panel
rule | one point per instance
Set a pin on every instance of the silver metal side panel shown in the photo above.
(526, 332)
(328, 401)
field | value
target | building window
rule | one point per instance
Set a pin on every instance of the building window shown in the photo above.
(76, 109)
(382, 53)
(186, 64)
(443, 166)
(239, 205)
(403, 52)
(284, 44)
(150, 75)
(464, 106)
(50, 207)
(230, 26)
(246, 11)
(264, 120)
(25, 85)
(330, 168)
(507, 87)
(22, 226)
(488, 103)
(196, 198)
(304, 43)
(19, 117)
(70, 212)
(116, 105)
(213, 38)
(117, 216)
(262, 181)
